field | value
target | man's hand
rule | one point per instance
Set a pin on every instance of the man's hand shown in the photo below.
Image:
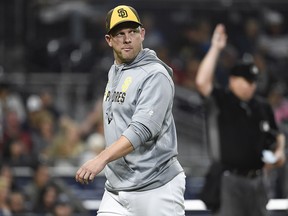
(219, 38)
(93, 167)
(205, 75)
(87, 172)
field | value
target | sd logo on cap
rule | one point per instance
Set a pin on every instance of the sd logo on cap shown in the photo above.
(120, 14)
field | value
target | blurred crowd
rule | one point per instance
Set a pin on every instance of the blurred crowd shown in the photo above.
(35, 133)
(181, 41)
(43, 195)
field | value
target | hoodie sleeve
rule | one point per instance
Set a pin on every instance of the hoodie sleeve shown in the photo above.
(154, 105)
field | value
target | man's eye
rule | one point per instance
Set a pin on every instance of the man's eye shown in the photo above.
(119, 34)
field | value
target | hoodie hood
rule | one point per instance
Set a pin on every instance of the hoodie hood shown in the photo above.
(146, 56)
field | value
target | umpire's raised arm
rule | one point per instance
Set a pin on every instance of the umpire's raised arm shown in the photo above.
(204, 78)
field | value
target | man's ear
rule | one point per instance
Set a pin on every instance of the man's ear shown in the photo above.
(108, 39)
(143, 33)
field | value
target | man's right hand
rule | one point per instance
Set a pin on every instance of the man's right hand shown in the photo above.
(219, 38)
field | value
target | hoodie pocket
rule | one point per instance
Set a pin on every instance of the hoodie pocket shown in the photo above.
(121, 171)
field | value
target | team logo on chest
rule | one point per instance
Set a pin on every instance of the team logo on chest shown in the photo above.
(118, 96)
(126, 83)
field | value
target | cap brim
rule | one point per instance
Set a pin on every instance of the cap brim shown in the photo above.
(124, 24)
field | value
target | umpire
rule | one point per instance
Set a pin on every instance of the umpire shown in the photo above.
(249, 140)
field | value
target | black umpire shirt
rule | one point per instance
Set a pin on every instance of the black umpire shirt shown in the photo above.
(245, 129)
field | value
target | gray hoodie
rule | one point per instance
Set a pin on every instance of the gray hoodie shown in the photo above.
(138, 104)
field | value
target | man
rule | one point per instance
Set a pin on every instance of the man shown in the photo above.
(250, 142)
(143, 174)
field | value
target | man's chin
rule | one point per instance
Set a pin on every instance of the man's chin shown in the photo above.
(127, 60)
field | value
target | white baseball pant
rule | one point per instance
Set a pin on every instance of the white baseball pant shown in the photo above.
(167, 200)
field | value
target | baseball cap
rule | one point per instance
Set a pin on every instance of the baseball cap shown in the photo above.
(34, 103)
(120, 14)
(249, 71)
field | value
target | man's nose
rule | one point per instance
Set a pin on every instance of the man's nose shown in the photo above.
(127, 38)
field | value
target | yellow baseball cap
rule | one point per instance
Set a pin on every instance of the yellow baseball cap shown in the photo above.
(120, 14)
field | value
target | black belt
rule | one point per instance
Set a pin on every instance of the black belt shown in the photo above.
(252, 173)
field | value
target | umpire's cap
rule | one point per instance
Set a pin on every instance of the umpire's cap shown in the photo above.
(120, 14)
(249, 71)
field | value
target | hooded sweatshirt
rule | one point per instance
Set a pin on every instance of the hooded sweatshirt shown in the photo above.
(138, 104)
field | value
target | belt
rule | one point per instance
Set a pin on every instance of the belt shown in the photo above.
(252, 173)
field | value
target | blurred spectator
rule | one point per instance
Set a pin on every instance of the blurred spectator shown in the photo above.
(13, 130)
(4, 192)
(48, 104)
(279, 103)
(190, 72)
(17, 204)
(247, 39)
(93, 120)
(63, 206)
(10, 99)
(194, 39)
(91, 130)
(44, 123)
(175, 63)
(43, 134)
(273, 43)
(47, 199)
(7, 173)
(16, 154)
(41, 178)
(67, 145)
(33, 107)
(93, 146)
(154, 38)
